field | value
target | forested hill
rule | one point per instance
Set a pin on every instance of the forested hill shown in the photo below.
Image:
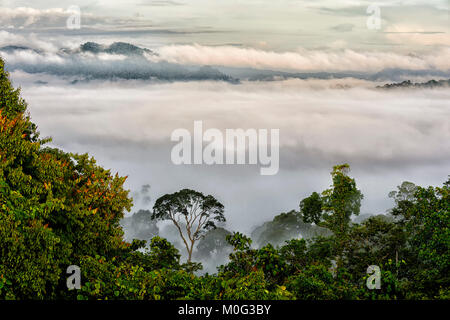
(409, 84)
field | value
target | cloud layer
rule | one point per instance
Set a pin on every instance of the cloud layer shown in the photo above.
(223, 63)
(303, 60)
(386, 136)
(320, 95)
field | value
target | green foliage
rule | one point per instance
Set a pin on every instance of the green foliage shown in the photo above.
(316, 282)
(251, 286)
(295, 254)
(11, 103)
(55, 207)
(272, 263)
(163, 254)
(119, 280)
(160, 254)
(333, 210)
(391, 287)
(239, 241)
(427, 221)
(341, 201)
(192, 213)
(311, 208)
(245, 260)
(373, 243)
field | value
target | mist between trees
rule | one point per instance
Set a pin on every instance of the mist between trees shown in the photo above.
(60, 209)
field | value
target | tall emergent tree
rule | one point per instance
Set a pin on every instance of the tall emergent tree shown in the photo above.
(334, 208)
(191, 212)
(341, 201)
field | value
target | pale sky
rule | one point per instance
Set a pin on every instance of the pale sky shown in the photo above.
(263, 24)
(386, 136)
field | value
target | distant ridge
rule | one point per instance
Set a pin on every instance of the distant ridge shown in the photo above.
(115, 48)
(86, 62)
(409, 84)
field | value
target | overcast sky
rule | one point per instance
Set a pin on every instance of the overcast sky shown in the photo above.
(122, 109)
(266, 24)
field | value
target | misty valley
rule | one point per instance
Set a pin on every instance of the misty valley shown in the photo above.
(220, 159)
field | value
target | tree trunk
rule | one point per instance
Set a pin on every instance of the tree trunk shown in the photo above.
(190, 251)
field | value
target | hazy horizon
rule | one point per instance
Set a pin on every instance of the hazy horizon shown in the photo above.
(308, 69)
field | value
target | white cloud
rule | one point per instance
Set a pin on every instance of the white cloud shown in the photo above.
(24, 17)
(32, 58)
(303, 60)
(32, 18)
(387, 136)
(30, 40)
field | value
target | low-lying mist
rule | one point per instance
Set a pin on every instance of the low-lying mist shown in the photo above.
(387, 136)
